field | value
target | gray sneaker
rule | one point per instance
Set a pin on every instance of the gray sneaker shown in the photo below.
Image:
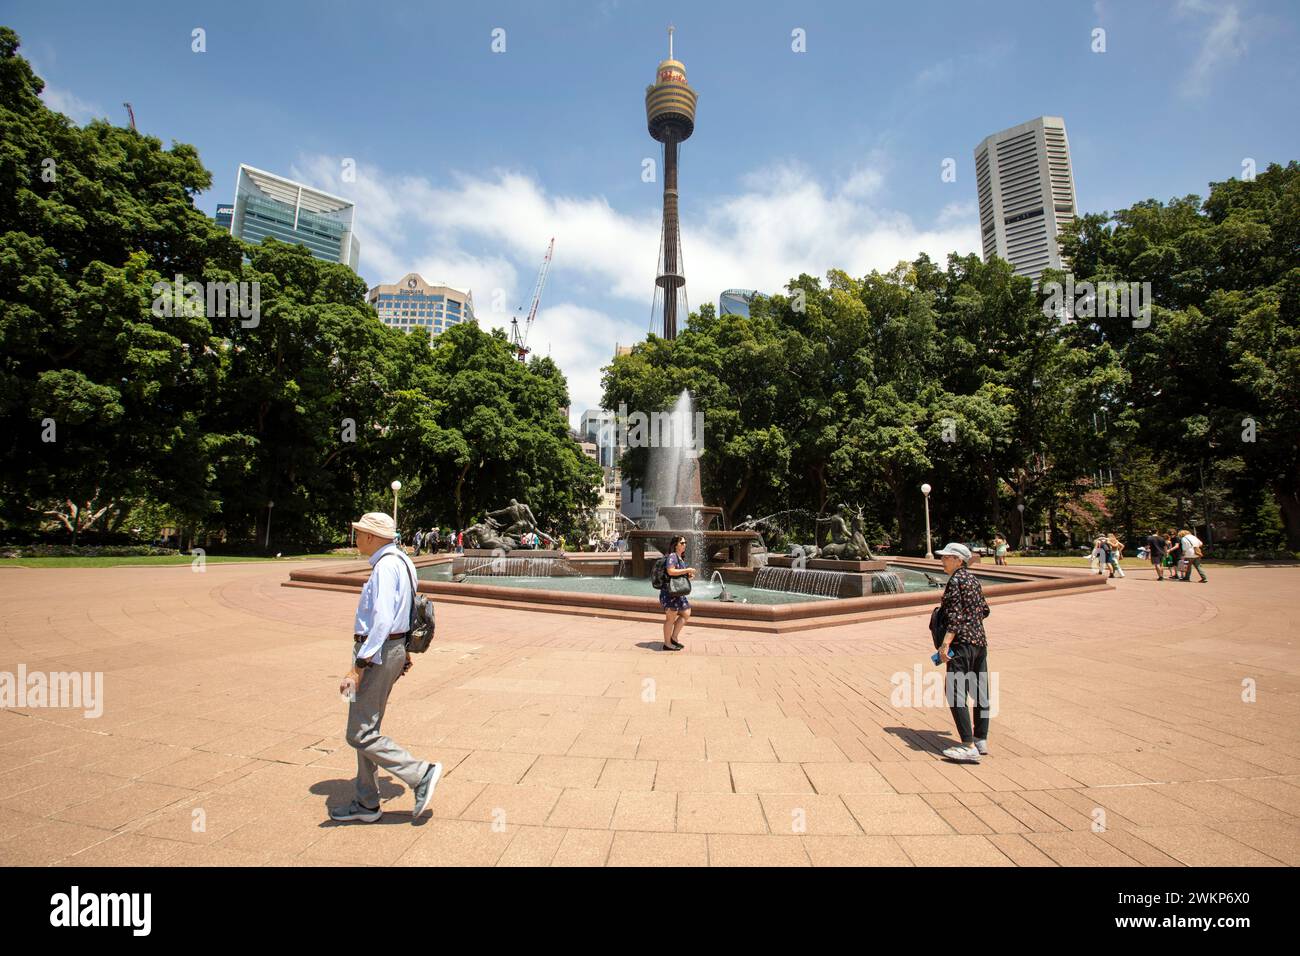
(424, 790)
(355, 811)
(963, 754)
(982, 746)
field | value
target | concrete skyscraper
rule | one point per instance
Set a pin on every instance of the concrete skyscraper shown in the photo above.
(1026, 194)
(412, 305)
(670, 116)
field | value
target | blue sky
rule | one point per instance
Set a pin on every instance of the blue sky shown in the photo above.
(468, 161)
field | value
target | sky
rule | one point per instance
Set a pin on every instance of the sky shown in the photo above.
(468, 159)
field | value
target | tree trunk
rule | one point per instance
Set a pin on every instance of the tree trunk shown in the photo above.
(730, 510)
(907, 539)
(819, 472)
(995, 505)
(460, 485)
(1289, 504)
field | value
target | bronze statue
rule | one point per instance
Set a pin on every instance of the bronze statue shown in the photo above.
(847, 540)
(516, 520)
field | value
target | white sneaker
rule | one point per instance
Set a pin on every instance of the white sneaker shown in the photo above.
(424, 791)
(963, 754)
(982, 746)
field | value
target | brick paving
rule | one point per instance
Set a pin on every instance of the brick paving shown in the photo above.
(1121, 738)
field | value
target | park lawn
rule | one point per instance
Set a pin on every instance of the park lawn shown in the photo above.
(166, 559)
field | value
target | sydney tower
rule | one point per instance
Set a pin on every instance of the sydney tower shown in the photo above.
(670, 115)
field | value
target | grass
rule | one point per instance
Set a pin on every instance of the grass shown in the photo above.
(164, 560)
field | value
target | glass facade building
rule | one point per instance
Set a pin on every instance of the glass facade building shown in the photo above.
(414, 305)
(737, 301)
(270, 205)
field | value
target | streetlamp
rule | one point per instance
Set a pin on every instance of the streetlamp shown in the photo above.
(396, 486)
(269, 506)
(1020, 506)
(929, 551)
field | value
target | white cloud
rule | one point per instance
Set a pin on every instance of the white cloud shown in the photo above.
(60, 100)
(1224, 42)
(69, 104)
(489, 231)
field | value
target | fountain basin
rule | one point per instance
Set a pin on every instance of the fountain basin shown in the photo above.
(633, 599)
(703, 548)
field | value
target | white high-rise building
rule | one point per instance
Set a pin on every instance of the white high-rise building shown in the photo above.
(1026, 194)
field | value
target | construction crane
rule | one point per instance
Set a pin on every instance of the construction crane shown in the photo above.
(519, 339)
(131, 114)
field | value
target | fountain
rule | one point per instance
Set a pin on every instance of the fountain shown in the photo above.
(723, 593)
(673, 481)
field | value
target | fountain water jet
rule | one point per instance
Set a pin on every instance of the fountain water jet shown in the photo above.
(673, 483)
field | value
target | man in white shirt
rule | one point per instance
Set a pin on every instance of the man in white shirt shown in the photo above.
(1191, 545)
(379, 659)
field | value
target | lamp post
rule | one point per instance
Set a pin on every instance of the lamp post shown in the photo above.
(1020, 506)
(929, 551)
(267, 542)
(396, 486)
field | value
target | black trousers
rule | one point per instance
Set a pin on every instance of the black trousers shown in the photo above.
(968, 676)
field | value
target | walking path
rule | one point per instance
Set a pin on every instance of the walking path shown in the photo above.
(1126, 733)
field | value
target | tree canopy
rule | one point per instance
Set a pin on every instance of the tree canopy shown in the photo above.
(113, 400)
(963, 377)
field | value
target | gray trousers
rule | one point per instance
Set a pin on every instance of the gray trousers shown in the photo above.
(365, 714)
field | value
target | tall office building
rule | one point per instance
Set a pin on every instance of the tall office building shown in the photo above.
(224, 214)
(413, 304)
(270, 205)
(737, 301)
(1026, 194)
(598, 426)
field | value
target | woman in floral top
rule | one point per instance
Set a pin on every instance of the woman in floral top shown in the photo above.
(965, 648)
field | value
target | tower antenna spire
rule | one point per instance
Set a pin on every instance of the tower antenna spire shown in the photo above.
(671, 28)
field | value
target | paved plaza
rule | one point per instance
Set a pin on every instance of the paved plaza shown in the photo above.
(1148, 724)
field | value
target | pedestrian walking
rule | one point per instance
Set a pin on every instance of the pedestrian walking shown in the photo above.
(379, 659)
(999, 550)
(672, 592)
(1191, 548)
(965, 648)
(1116, 551)
(1157, 548)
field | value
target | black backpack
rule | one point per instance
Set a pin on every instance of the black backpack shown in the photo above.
(659, 575)
(419, 632)
(938, 626)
